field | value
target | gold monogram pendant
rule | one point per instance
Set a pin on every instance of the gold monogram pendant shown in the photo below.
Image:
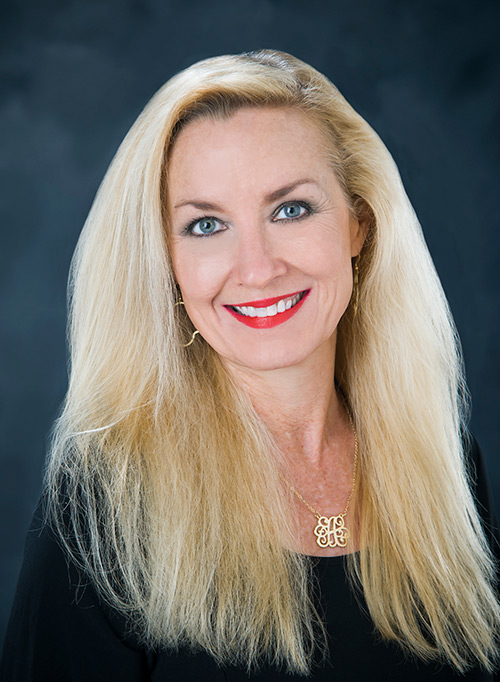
(331, 531)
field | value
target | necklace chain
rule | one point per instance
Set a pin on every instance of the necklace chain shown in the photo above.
(331, 531)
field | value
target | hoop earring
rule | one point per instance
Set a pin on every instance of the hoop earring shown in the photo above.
(355, 284)
(185, 345)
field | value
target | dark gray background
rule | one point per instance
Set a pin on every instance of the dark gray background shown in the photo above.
(75, 75)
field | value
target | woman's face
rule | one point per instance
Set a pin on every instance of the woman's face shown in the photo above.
(261, 237)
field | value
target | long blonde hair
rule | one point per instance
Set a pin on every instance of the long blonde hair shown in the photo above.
(162, 481)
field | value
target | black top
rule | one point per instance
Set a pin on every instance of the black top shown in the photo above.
(59, 630)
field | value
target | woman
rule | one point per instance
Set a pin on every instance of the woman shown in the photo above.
(266, 397)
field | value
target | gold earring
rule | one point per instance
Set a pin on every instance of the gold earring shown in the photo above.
(355, 285)
(185, 345)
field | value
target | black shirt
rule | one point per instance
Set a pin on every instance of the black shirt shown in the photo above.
(59, 631)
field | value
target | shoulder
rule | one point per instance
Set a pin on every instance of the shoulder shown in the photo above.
(48, 576)
(58, 622)
(481, 491)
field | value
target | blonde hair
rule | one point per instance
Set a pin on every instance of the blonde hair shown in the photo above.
(162, 481)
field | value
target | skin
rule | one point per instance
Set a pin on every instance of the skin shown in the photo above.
(256, 251)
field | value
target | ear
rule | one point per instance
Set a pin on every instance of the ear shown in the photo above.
(359, 226)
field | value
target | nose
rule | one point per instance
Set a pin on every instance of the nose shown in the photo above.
(259, 259)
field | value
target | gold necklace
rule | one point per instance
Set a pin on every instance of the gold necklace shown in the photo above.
(330, 531)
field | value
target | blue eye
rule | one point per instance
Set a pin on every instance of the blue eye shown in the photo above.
(293, 210)
(205, 226)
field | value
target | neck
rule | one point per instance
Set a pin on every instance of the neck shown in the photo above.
(299, 404)
(311, 428)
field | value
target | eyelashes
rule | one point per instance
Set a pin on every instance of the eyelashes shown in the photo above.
(288, 212)
(206, 226)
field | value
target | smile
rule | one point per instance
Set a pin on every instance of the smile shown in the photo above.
(268, 312)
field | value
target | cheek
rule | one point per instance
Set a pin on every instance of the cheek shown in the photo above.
(333, 271)
(199, 278)
(329, 259)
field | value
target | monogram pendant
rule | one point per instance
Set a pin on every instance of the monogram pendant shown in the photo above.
(331, 531)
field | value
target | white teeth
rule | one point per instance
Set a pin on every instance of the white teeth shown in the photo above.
(271, 310)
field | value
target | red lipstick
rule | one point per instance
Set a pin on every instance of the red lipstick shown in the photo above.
(272, 320)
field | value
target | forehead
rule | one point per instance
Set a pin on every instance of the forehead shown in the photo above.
(250, 142)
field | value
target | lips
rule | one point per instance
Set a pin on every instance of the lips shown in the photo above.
(268, 312)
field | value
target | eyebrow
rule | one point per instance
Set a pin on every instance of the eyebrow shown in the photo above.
(272, 196)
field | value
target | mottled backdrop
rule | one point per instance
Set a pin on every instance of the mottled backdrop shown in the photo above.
(75, 74)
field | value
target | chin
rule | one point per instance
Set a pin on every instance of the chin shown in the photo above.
(267, 360)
